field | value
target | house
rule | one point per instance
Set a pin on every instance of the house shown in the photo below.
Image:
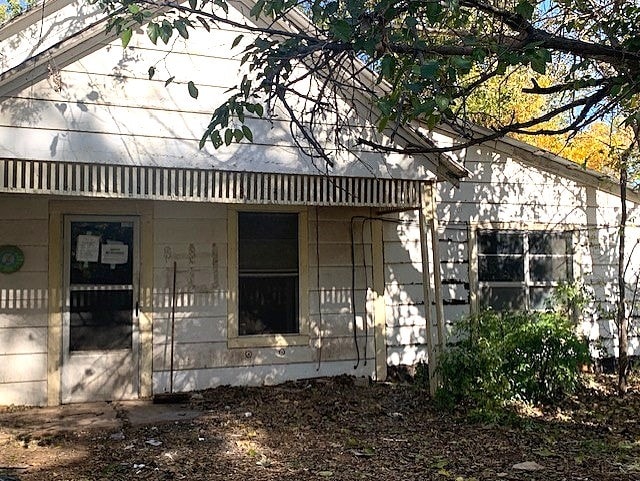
(135, 264)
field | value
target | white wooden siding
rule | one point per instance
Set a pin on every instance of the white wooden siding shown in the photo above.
(194, 236)
(103, 108)
(23, 302)
(505, 190)
(404, 294)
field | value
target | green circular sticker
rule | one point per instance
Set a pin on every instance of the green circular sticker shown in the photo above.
(11, 259)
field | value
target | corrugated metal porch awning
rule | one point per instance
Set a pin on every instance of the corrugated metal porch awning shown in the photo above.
(200, 185)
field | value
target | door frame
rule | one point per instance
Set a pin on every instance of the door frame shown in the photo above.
(69, 357)
(58, 209)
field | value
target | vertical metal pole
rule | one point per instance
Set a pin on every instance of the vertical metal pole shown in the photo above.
(173, 322)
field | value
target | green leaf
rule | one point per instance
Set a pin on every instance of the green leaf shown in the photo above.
(168, 81)
(256, 10)
(165, 31)
(181, 28)
(382, 123)
(133, 8)
(247, 133)
(540, 59)
(429, 70)
(342, 30)
(153, 30)
(228, 136)
(236, 41)
(193, 90)
(331, 8)
(387, 66)
(238, 134)
(433, 10)
(203, 139)
(204, 23)
(216, 140)
(222, 4)
(525, 9)
(193, 4)
(462, 64)
(442, 101)
(259, 110)
(152, 72)
(125, 36)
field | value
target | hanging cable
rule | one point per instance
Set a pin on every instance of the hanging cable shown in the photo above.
(366, 289)
(354, 320)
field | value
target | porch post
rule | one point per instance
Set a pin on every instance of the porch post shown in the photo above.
(431, 282)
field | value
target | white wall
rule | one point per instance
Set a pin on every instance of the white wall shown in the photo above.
(103, 108)
(195, 237)
(503, 188)
(23, 302)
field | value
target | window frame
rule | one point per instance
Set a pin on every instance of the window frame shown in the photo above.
(523, 229)
(234, 339)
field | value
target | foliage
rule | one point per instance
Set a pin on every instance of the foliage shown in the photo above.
(502, 101)
(415, 61)
(569, 299)
(12, 8)
(499, 357)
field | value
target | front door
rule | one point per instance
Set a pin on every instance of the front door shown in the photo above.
(100, 325)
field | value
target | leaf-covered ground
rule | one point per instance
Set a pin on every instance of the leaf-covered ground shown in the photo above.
(343, 430)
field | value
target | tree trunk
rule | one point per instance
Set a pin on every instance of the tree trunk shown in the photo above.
(623, 340)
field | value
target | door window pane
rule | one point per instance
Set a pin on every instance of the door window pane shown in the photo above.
(100, 320)
(101, 253)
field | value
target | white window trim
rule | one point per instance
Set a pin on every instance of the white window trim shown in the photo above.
(474, 227)
(234, 340)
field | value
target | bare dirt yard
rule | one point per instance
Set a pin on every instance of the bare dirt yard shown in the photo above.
(327, 429)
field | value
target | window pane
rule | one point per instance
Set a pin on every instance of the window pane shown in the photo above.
(268, 273)
(494, 242)
(549, 243)
(547, 268)
(500, 268)
(268, 242)
(540, 298)
(503, 298)
(268, 305)
(100, 320)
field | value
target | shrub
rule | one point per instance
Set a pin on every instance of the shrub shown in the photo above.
(499, 357)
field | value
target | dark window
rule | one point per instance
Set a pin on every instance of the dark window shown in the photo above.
(519, 270)
(101, 285)
(267, 273)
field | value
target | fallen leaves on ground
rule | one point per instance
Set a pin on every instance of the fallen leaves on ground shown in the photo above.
(342, 430)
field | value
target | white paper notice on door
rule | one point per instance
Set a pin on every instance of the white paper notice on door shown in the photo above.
(87, 248)
(115, 254)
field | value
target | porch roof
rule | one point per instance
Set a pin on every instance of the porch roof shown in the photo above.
(203, 185)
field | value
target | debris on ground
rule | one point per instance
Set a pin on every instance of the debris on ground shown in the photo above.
(336, 429)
